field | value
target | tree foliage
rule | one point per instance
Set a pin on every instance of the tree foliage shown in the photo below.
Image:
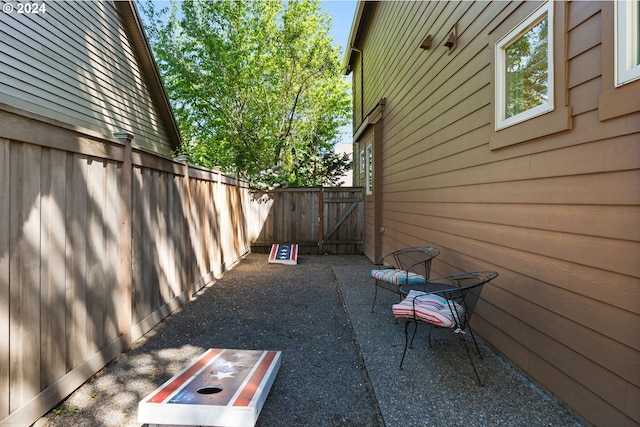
(256, 87)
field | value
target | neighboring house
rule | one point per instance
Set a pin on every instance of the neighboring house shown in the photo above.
(87, 67)
(508, 135)
(101, 236)
(341, 148)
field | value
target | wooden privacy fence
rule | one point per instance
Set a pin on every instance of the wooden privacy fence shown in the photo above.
(320, 220)
(99, 242)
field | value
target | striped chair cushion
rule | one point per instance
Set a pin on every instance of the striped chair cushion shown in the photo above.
(397, 277)
(429, 308)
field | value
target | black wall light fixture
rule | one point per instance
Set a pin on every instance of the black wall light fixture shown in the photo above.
(452, 39)
(426, 43)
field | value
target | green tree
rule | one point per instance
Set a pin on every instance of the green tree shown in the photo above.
(256, 87)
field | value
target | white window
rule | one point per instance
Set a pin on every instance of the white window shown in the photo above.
(362, 165)
(524, 69)
(369, 169)
(627, 41)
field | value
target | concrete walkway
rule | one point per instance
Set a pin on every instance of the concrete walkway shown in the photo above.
(437, 386)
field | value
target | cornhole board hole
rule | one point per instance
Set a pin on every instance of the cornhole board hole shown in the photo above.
(222, 387)
(284, 253)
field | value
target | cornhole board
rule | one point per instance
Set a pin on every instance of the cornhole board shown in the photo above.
(284, 253)
(223, 387)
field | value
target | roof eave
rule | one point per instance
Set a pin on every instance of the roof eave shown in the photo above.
(355, 25)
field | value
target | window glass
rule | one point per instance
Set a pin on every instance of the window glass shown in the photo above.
(531, 71)
(527, 71)
(524, 69)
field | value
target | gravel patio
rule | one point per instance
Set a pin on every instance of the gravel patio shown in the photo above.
(339, 360)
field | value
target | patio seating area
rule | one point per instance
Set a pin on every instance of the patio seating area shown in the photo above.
(339, 360)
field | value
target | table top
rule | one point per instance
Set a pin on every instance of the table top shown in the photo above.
(424, 287)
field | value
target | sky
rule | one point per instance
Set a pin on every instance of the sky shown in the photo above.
(342, 12)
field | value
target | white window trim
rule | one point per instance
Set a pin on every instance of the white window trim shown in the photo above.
(500, 121)
(368, 169)
(363, 167)
(626, 30)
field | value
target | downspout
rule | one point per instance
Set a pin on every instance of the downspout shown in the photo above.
(361, 82)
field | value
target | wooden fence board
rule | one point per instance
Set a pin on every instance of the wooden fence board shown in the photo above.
(165, 218)
(146, 285)
(155, 239)
(15, 248)
(112, 252)
(95, 252)
(295, 216)
(136, 250)
(208, 200)
(26, 291)
(65, 306)
(76, 259)
(53, 268)
(5, 319)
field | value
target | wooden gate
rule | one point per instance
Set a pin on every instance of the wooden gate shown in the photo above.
(320, 220)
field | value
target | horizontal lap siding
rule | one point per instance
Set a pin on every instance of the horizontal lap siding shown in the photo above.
(75, 65)
(557, 217)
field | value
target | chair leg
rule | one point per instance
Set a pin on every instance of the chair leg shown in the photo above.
(397, 321)
(375, 296)
(475, 342)
(414, 335)
(466, 348)
(406, 340)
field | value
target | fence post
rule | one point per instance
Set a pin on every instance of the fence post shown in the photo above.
(186, 209)
(218, 196)
(320, 221)
(126, 263)
(236, 218)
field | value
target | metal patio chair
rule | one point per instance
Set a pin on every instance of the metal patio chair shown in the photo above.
(446, 302)
(401, 267)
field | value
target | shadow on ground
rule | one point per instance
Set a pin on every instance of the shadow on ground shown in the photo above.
(295, 309)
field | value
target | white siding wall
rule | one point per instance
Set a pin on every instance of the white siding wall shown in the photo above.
(74, 64)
